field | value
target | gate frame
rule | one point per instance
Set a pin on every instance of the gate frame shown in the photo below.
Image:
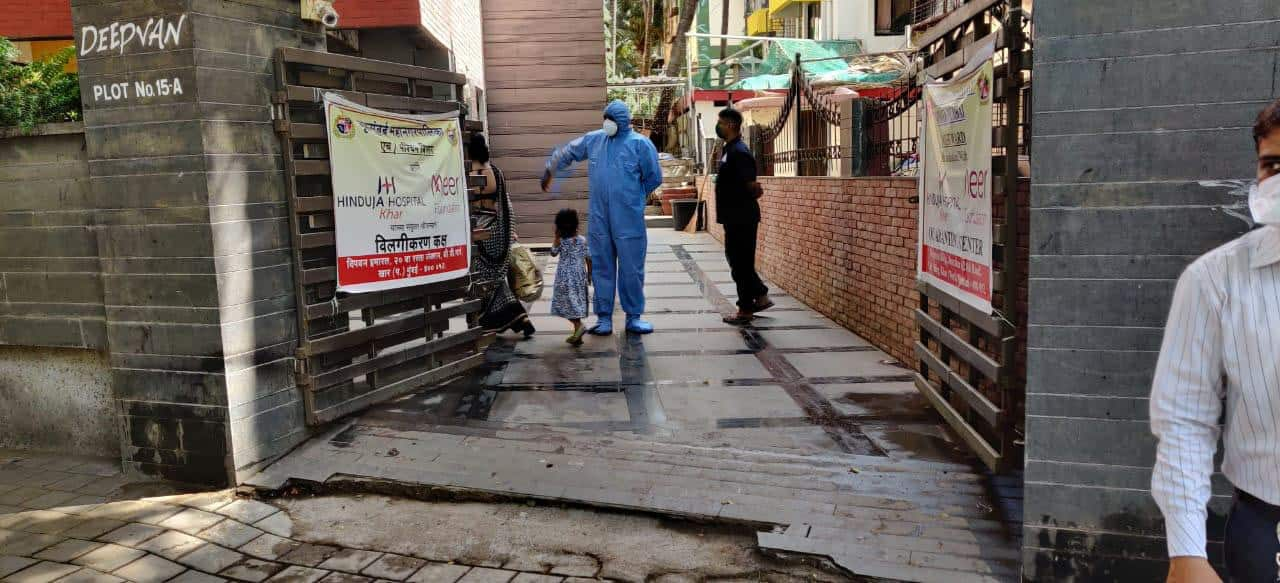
(957, 396)
(394, 317)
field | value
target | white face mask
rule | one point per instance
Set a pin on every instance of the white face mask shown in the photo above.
(1264, 201)
(610, 128)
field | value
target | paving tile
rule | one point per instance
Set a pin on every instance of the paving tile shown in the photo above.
(579, 570)
(24, 543)
(109, 557)
(269, 547)
(21, 494)
(43, 572)
(394, 567)
(171, 545)
(72, 483)
(136, 511)
(439, 573)
(192, 520)
(252, 570)
(350, 560)
(230, 534)
(487, 575)
(93, 528)
(536, 578)
(50, 500)
(309, 555)
(83, 503)
(211, 558)
(67, 550)
(150, 569)
(101, 486)
(248, 511)
(10, 564)
(207, 501)
(845, 364)
(297, 574)
(100, 467)
(196, 577)
(345, 578)
(131, 535)
(6, 509)
(47, 521)
(87, 575)
(43, 478)
(552, 407)
(278, 524)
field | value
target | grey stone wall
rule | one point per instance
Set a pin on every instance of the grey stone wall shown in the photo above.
(50, 284)
(57, 399)
(192, 230)
(1142, 151)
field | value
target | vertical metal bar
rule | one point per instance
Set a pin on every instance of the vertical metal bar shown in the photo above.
(798, 114)
(1012, 273)
(304, 368)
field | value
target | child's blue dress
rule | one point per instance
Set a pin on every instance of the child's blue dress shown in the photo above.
(569, 297)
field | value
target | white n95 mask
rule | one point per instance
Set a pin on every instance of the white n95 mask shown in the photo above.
(610, 128)
(1264, 201)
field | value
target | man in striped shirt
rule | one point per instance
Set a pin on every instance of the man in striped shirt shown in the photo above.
(1222, 346)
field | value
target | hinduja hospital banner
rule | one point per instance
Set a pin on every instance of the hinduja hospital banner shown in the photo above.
(399, 197)
(955, 188)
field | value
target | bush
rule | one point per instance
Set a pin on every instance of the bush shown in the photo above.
(42, 92)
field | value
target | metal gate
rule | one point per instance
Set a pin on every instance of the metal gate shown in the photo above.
(355, 350)
(969, 361)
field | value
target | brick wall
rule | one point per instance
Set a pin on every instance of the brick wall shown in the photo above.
(35, 19)
(847, 248)
(377, 13)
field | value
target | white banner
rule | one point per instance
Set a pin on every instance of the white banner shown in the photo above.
(954, 252)
(399, 197)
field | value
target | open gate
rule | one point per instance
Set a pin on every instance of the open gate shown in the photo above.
(355, 350)
(971, 363)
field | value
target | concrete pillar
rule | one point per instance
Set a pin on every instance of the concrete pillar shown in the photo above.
(192, 228)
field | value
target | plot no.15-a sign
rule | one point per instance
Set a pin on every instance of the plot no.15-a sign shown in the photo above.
(399, 189)
(955, 188)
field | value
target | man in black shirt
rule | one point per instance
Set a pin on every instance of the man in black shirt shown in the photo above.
(738, 209)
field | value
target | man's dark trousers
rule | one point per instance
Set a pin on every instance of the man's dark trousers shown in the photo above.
(1253, 541)
(740, 250)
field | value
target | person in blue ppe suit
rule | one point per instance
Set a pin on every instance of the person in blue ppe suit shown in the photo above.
(623, 169)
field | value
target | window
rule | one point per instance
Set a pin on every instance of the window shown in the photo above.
(892, 17)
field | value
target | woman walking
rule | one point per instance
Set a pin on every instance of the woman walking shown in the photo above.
(491, 263)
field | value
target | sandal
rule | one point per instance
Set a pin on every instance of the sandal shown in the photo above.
(575, 339)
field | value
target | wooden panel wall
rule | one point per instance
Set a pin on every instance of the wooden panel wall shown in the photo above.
(545, 77)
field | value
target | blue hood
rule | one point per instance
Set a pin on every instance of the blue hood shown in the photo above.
(621, 114)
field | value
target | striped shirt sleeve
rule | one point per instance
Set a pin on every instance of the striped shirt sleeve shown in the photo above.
(1186, 405)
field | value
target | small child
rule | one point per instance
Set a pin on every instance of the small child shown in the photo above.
(569, 297)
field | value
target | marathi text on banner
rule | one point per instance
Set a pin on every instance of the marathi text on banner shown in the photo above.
(399, 186)
(955, 187)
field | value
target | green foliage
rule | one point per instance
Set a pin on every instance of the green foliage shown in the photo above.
(42, 92)
(631, 33)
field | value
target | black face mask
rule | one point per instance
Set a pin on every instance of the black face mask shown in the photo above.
(720, 133)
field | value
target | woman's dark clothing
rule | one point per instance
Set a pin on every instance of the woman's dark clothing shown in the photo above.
(491, 263)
